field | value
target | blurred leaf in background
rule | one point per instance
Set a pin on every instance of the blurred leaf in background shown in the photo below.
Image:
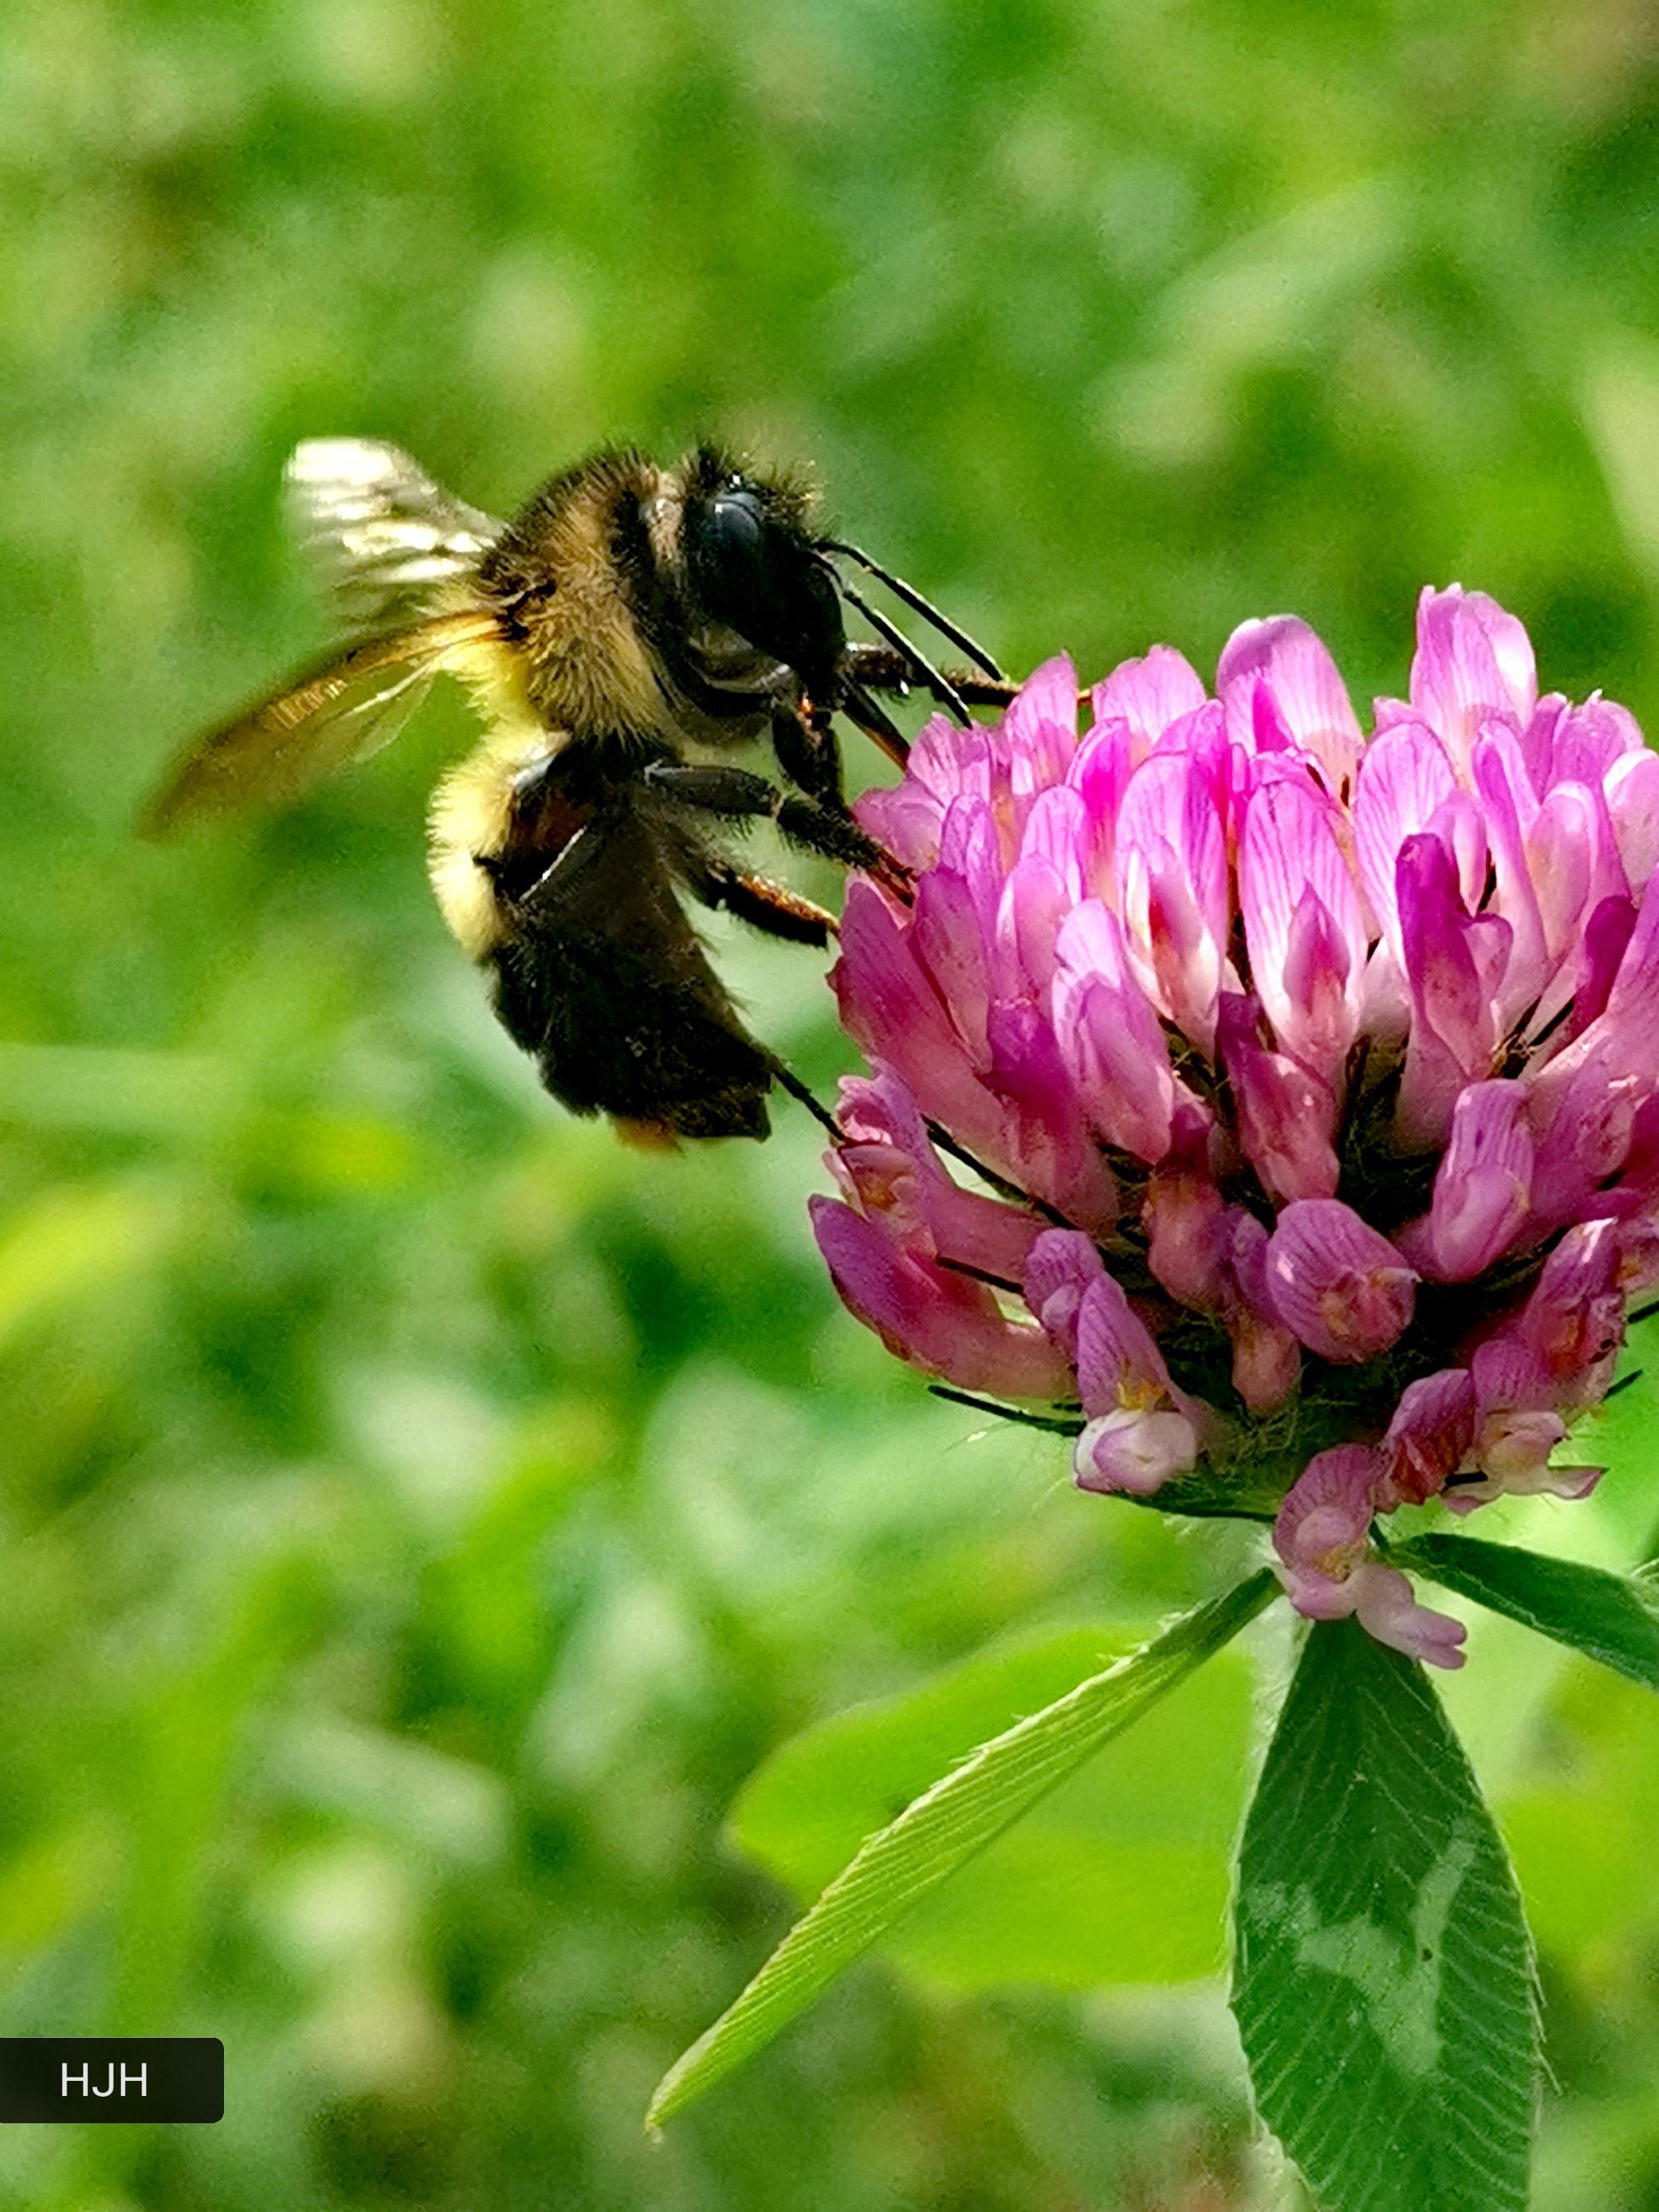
(422, 1516)
(1121, 1876)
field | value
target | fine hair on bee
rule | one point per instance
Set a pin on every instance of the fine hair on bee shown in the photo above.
(621, 635)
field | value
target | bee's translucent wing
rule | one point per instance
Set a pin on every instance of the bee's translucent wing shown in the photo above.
(381, 535)
(338, 710)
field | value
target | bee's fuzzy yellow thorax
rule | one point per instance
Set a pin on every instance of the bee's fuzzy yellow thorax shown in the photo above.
(471, 817)
(566, 595)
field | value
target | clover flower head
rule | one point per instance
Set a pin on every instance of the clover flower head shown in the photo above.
(1311, 1076)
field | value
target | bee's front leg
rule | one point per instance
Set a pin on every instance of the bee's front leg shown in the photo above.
(808, 751)
(882, 668)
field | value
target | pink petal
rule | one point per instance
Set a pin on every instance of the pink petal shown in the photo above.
(892, 1010)
(970, 848)
(1099, 774)
(1057, 830)
(1111, 1039)
(1302, 923)
(1514, 1445)
(1183, 1215)
(944, 1324)
(1286, 659)
(1342, 1286)
(1628, 1031)
(1150, 694)
(1388, 1610)
(1172, 874)
(1632, 789)
(948, 940)
(1329, 1569)
(1039, 728)
(1568, 1483)
(1035, 902)
(1472, 660)
(1134, 1452)
(1574, 1321)
(1429, 1437)
(1573, 860)
(888, 1153)
(1286, 1114)
(1483, 1186)
(1266, 1357)
(1518, 1429)
(1404, 778)
(1061, 1265)
(1454, 965)
(1511, 812)
(1118, 1363)
(1507, 1372)
(1590, 741)
(1119, 1059)
(1043, 1144)
(1322, 1532)
(1584, 1134)
(1538, 740)
(945, 763)
(1639, 1250)
(1607, 938)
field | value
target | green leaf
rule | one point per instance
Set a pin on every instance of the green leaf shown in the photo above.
(1123, 1874)
(1382, 1979)
(1605, 1615)
(944, 1829)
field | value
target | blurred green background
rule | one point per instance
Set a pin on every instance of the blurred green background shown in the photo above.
(420, 1516)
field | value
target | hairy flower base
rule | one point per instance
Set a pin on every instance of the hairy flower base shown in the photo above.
(1311, 1075)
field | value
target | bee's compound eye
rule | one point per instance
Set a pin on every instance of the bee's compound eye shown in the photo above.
(756, 573)
(735, 524)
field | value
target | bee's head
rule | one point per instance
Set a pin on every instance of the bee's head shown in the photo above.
(751, 565)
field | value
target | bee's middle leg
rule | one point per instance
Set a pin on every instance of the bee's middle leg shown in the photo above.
(735, 794)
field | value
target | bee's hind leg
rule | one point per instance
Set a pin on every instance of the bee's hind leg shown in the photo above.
(759, 901)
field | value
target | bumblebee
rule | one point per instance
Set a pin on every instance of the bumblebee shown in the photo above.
(629, 626)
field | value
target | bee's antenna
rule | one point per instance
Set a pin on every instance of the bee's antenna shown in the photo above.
(937, 682)
(917, 605)
(787, 1080)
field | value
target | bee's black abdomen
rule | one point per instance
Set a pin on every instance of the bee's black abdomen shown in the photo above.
(738, 1113)
(611, 1035)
